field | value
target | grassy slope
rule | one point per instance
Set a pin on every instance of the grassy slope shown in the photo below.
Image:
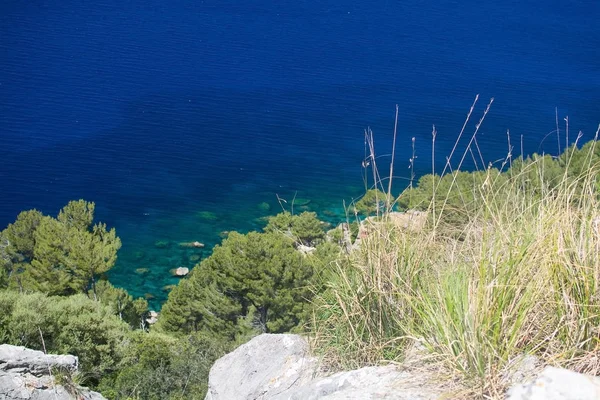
(505, 267)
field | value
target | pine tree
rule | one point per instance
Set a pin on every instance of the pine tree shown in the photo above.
(63, 255)
(17, 244)
(258, 276)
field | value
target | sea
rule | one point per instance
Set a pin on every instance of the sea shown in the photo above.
(187, 119)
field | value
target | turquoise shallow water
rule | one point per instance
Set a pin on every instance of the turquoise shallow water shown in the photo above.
(154, 241)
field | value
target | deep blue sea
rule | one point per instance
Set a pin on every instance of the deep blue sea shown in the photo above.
(180, 118)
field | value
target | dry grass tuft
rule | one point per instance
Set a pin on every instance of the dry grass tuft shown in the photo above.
(521, 277)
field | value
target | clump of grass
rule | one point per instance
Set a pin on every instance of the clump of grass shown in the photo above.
(520, 275)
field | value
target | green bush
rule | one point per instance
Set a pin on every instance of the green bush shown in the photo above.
(157, 366)
(66, 325)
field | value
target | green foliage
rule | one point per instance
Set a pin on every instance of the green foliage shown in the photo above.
(198, 304)
(305, 228)
(521, 277)
(65, 325)
(17, 245)
(456, 196)
(60, 256)
(158, 366)
(258, 276)
(134, 312)
(77, 214)
(373, 202)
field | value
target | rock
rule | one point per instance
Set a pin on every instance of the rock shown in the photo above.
(194, 258)
(279, 367)
(196, 245)
(148, 296)
(152, 317)
(23, 360)
(207, 215)
(346, 240)
(266, 366)
(26, 374)
(558, 384)
(385, 382)
(162, 244)
(142, 271)
(306, 249)
(521, 369)
(411, 220)
(168, 288)
(181, 271)
(300, 201)
(264, 206)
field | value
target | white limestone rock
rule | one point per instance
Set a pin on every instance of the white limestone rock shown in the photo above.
(262, 368)
(26, 374)
(558, 384)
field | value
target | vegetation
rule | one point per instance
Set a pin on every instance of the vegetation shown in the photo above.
(155, 366)
(54, 298)
(506, 265)
(73, 324)
(373, 202)
(61, 256)
(305, 228)
(257, 281)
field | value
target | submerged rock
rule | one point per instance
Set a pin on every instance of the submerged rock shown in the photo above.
(142, 271)
(162, 244)
(300, 201)
(264, 206)
(168, 288)
(207, 215)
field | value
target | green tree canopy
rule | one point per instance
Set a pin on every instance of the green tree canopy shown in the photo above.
(373, 202)
(17, 244)
(259, 276)
(304, 228)
(63, 255)
(132, 311)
